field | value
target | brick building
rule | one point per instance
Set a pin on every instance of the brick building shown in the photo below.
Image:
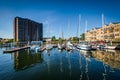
(27, 30)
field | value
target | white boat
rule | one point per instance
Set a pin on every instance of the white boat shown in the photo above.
(69, 46)
(85, 47)
(60, 46)
(35, 48)
(110, 47)
(93, 47)
(78, 46)
(36, 45)
(49, 46)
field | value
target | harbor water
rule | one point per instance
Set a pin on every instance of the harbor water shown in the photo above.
(60, 65)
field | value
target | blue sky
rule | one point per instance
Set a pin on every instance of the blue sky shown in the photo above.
(58, 14)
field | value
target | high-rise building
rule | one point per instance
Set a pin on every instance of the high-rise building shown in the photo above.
(27, 30)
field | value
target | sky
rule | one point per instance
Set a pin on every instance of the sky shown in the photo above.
(58, 16)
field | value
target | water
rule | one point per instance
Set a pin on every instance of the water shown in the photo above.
(60, 65)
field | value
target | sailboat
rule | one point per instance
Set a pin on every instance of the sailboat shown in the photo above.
(107, 46)
(78, 46)
(49, 45)
(36, 45)
(83, 45)
(60, 45)
(69, 45)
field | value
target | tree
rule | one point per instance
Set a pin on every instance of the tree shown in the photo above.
(74, 39)
(82, 36)
(9, 41)
(53, 38)
(60, 40)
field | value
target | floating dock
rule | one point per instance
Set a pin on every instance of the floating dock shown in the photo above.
(42, 49)
(16, 49)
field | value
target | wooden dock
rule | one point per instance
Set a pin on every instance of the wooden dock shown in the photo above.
(42, 49)
(16, 49)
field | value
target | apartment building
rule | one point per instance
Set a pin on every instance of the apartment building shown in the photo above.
(27, 30)
(107, 33)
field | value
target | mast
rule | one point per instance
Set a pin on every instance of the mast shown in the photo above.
(103, 25)
(48, 32)
(68, 28)
(79, 26)
(102, 19)
(62, 34)
(37, 35)
(86, 27)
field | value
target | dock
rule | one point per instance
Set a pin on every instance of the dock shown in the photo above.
(42, 49)
(16, 49)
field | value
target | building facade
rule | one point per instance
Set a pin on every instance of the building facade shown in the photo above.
(107, 33)
(27, 30)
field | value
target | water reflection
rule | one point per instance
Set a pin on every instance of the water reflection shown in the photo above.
(80, 64)
(61, 68)
(109, 57)
(86, 68)
(25, 59)
(62, 65)
(105, 72)
(48, 60)
(87, 55)
(69, 63)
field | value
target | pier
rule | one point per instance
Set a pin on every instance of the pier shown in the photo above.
(16, 49)
(42, 49)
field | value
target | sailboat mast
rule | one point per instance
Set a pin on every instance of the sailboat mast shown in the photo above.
(37, 35)
(102, 20)
(68, 28)
(79, 26)
(103, 25)
(62, 34)
(86, 26)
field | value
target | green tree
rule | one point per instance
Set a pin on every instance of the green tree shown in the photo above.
(82, 36)
(53, 38)
(75, 39)
(60, 40)
(9, 41)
